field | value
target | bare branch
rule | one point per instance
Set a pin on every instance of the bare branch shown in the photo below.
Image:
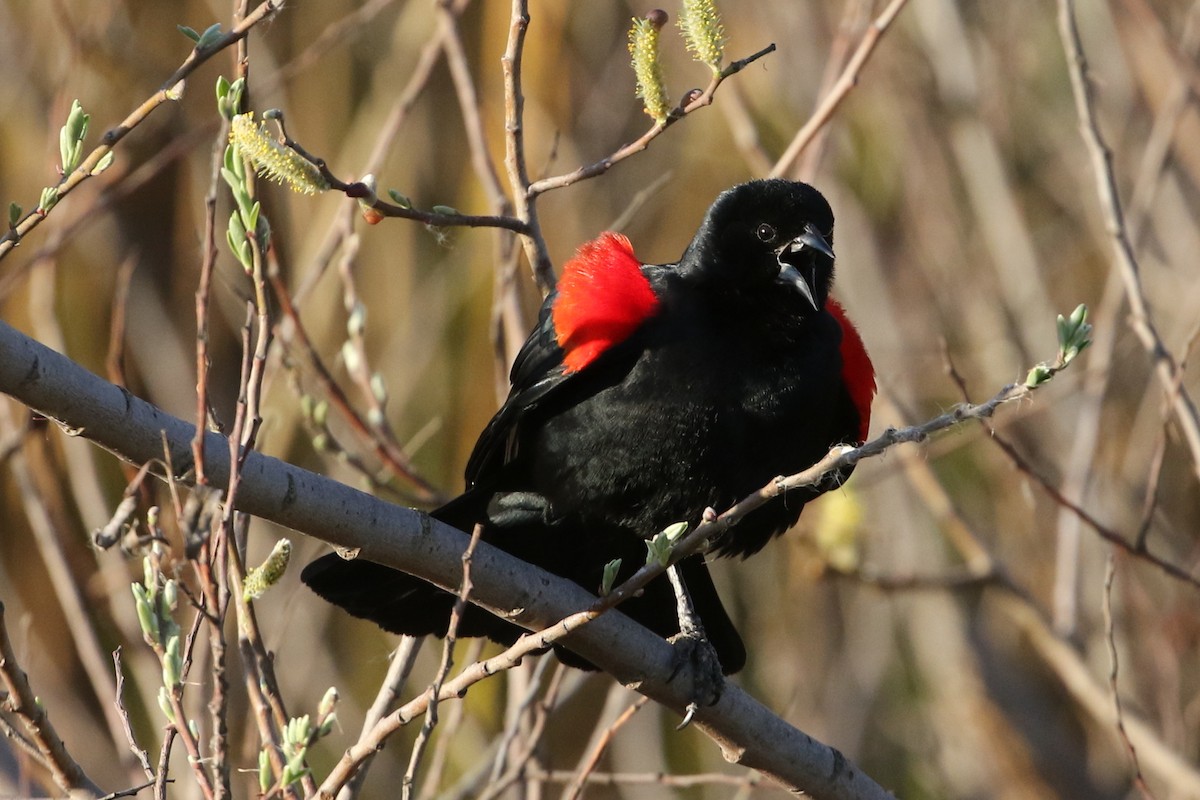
(842, 87)
(114, 135)
(748, 733)
(22, 702)
(1165, 365)
(691, 104)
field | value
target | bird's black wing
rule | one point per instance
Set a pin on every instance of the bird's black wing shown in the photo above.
(538, 374)
(536, 371)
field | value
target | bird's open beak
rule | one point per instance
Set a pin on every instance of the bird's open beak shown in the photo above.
(790, 274)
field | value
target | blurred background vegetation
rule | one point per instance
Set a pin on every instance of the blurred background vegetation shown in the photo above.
(940, 620)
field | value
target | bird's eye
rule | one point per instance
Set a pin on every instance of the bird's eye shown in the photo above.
(766, 233)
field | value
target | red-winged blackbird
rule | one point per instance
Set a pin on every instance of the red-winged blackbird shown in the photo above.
(646, 394)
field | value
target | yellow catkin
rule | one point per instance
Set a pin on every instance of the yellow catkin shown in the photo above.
(703, 32)
(266, 575)
(643, 46)
(273, 160)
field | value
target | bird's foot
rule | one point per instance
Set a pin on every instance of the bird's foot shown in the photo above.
(708, 680)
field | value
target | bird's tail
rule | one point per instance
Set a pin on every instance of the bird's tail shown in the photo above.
(404, 604)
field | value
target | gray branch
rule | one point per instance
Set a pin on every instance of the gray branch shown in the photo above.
(133, 429)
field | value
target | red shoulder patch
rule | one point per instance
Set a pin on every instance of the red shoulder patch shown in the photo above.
(857, 371)
(602, 298)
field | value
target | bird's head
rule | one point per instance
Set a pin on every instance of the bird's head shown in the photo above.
(766, 234)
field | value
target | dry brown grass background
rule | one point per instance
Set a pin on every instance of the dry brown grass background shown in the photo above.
(967, 217)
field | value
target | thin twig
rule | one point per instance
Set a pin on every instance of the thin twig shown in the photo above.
(692, 104)
(588, 767)
(841, 88)
(343, 224)
(1141, 319)
(658, 779)
(208, 261)
(1105, 532)
(387, 450)
(401, 664)
(360, 191)
(955, 581)
(469, 106)
(446, 747)
(508, 322)
(1110, 637)
(524, 198)
(130, 792)
(856, 16)
(134, 747)
(333, 36)
(270, 716)
(112, 136)
(164, 764)
(22, 702)
(508, 767)
(63, 585)
(431, 713)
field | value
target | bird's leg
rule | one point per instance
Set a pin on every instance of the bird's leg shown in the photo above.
(692, 645)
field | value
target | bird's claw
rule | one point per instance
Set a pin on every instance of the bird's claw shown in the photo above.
(688, 713)
(708, 680)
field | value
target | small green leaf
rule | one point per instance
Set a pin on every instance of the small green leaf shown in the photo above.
(172, 663)
(164, 703)
(264, 770)
(399, 199)
(104, 163)
(448, 211)
(1038, 375)
(230, 177)
(210, 36)
(252, 218)
(246, 256)
(77, 122)
(237, 230)
(674, 531)
(71, 136)
(147, 619)
(659, 548)
(49, 199)
(149, 578)
(610, 576)
(229, 97)
(1074, 334)
(14, 214)
(328, 702)
(65, 146)
(188, 32)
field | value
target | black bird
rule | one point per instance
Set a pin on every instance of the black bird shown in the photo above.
(646, 394)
